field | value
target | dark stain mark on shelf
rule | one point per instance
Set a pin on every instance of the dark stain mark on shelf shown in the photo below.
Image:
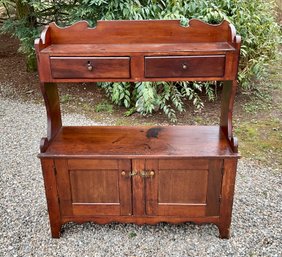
(153, 132)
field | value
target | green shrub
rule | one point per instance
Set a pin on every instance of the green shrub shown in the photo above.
(253, 19)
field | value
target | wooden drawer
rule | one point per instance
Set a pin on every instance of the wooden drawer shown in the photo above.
(184, 66)
(90, 67)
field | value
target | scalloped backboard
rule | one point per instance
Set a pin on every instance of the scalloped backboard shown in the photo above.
(144, 31)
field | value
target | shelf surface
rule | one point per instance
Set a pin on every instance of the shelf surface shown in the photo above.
(138, 142)
(102, 49)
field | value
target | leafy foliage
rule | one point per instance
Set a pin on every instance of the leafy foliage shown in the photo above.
(253, 19)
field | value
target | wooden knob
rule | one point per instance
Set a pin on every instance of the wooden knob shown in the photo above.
(152, 173)
(123, 173)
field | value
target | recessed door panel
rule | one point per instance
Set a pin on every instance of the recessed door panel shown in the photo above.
(182, 186)
(184, 190)
(94, 187)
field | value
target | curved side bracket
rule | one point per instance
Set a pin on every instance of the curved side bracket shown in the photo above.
(54, 120)
(228, 96)
(43, 41)
(234, 143)
(44, 143)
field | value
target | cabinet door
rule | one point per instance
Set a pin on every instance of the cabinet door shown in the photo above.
(94, 187)
(183, 187)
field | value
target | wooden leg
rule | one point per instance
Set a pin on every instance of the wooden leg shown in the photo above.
(224, 231)
(52, 196)
(55, 230)
(228, 184)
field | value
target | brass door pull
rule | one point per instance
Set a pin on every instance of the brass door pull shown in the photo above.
(133, 173)
(143, 173)
(130, 174)
(147, 174)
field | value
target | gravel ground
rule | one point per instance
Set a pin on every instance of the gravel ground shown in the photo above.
(24, 225)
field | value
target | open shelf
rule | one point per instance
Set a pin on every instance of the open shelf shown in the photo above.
(140, 142)
(94, 49)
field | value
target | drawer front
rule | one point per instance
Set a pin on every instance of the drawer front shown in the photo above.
(184, 66)
(90, 67)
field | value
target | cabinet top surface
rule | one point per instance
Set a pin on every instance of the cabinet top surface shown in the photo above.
(135, 142)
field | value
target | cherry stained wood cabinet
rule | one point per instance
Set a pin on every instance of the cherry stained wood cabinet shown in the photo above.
(142, 175)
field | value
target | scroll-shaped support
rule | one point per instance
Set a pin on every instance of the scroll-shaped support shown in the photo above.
(49, 92)
(228, 96)
(54, 120)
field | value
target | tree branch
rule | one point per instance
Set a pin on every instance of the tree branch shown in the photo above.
(7, 10)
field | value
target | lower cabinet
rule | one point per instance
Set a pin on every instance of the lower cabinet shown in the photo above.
(139, 187)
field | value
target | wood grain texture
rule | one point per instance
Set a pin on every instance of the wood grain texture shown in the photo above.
(110, 209)
(52, 104)
(40, 44)
(93, 186)
(182, 186)
(74, 164)
(135, 48)
(52, 197)
(139, 174)
(139, 142)
(227, 103)
(64, 186)
(138, 165)
(151, 187)
(140, 220)
(135, 79)
(194, 164)
(190, 210)
(101, 67)
(137, 38)
(121, 32)
(227, 194)
(186, 190)
(184, 66)
(214, 187)
(125, 187)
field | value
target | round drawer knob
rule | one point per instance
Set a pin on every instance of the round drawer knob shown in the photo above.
(152, 173)
(123, 173)
(184, 66)
(89, 66)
